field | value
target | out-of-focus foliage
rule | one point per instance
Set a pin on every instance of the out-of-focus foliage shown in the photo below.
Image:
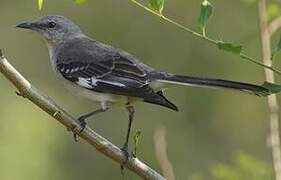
(243, 167)
(249, 1)
(80, 1)
(273, 10)
(277, 49)
(40, 4)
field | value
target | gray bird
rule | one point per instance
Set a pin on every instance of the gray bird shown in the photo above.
(112, 76)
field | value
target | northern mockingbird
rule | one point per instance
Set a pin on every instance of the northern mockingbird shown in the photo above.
(112, 76)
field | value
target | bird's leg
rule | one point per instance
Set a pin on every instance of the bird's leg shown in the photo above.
(125, 147)
(82, 119)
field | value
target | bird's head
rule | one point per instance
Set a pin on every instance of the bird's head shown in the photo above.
(54, 29)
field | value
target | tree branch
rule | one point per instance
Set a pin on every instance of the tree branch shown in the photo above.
(272, 99)
(45, 103)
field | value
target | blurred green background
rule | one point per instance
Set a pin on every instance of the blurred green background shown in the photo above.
(212, 127)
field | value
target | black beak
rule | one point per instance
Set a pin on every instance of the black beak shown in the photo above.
(26, 25)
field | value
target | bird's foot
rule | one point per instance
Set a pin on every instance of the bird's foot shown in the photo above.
(82, 125)
(134, 155)
(125, 150)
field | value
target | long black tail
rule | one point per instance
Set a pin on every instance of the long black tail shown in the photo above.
(168, 78)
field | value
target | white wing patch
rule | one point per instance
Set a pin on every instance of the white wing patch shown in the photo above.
(92, 82)
(85, 82)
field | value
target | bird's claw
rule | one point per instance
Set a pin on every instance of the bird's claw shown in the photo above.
(83, 124)
(134, 155)
(75, 137)
(126, 153)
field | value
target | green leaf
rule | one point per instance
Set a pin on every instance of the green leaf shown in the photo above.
(136, 140)
(277, 48)
(80, 1)
(226, 46)
(157, 5)
(271, 87)
(205, 14)
(40, 4)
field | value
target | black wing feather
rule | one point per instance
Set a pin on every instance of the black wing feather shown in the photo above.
(106, 70)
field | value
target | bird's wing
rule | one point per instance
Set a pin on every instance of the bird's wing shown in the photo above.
(101, 68)
(114, 75)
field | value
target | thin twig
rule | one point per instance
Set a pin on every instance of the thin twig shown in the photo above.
(272, 99)
(201, 36)
(160, 143)
(96, 140)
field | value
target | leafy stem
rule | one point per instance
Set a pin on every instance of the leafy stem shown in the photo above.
(207, 39)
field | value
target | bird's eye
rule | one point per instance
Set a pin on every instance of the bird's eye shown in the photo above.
(52, 24)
